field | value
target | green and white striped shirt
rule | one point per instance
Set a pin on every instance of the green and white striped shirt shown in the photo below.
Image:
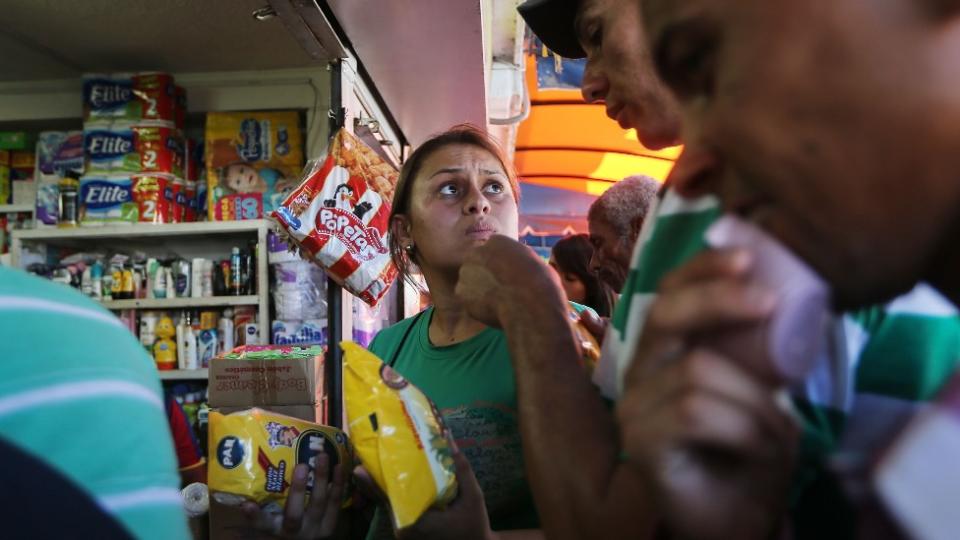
(879, 366)
(79, 392)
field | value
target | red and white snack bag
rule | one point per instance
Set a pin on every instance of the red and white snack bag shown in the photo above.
(339, 217)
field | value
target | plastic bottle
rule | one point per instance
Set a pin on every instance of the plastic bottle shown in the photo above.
(206, 282)
(165, 348)
(148, 329)
(69, 207)
(225, 331)
(86, 282)
(170, 283)
(196, 277)
(236, 274)
(116, 285)
(151, 269)
(159, 282)
(96, 280)
(181, 344)
(127, 287)
(191, 357)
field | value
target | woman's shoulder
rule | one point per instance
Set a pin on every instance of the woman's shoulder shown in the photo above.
(390, 337)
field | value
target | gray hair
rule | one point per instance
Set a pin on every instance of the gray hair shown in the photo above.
(624, 206)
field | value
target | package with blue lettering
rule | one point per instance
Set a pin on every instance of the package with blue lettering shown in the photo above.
(133, 97)
(144, 147)
(309, 332)
(253, 160)
(106, 200)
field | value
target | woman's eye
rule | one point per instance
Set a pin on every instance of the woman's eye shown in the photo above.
(449, 189)
(495, 187)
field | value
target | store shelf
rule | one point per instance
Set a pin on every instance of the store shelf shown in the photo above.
(15, 208)
(144, 230)
(178, 303)
(184, 374)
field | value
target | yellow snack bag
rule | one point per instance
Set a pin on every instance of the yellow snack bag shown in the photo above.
(398, 436)
(254, 452)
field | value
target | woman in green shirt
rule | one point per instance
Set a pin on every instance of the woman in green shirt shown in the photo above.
(455, 192)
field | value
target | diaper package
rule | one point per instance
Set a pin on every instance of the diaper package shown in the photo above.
(107, 199)
(58, 152)
(253, 160)
(134, 97)
(253, 454)
(338, 217)
(129, 148)
(398, 436)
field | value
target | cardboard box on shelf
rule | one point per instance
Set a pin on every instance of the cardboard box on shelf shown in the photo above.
(310, 413)
(264, 381)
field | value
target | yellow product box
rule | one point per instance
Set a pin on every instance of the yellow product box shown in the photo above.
(398, 435)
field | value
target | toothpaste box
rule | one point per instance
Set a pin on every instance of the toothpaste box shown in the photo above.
(107, 199)
(123, 147)
(309, 332)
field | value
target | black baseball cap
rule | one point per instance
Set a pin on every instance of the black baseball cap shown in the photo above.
(553, 22)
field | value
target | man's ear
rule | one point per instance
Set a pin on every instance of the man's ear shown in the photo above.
(635, 226)
(400, 229)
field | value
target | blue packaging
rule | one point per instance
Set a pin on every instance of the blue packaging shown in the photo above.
(57, 153)
(107, 199)
(106, 148)
(309, 332)
(207, 345)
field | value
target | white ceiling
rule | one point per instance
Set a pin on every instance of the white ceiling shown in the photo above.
(426, 58)
(50, 39)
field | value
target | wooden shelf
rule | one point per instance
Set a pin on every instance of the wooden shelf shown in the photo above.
(139, 230)
(177, 303)
(16, 208)
(184, 374)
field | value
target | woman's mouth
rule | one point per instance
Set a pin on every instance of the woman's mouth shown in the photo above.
(480, 231)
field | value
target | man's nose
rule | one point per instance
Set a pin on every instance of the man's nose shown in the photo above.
(594, 86)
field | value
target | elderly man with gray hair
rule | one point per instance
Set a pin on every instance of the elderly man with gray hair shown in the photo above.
(615, 219)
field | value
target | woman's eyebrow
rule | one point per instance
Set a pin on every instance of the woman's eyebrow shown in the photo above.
(448, 170)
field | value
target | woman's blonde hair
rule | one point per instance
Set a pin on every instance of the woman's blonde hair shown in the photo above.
(459, 134)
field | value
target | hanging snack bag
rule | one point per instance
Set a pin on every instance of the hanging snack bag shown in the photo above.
(255, 451)
(398, 436)
(253, 160)
(339, 217)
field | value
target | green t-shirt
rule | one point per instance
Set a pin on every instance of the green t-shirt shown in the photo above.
(472, 384)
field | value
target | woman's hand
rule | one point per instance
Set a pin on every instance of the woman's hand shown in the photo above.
(504, 277)
(302, 520)
(465, 518)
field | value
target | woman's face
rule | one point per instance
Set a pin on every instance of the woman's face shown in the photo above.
(576, 290)
(459, 199)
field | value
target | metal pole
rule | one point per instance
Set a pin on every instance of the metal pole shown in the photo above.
(333, 368)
